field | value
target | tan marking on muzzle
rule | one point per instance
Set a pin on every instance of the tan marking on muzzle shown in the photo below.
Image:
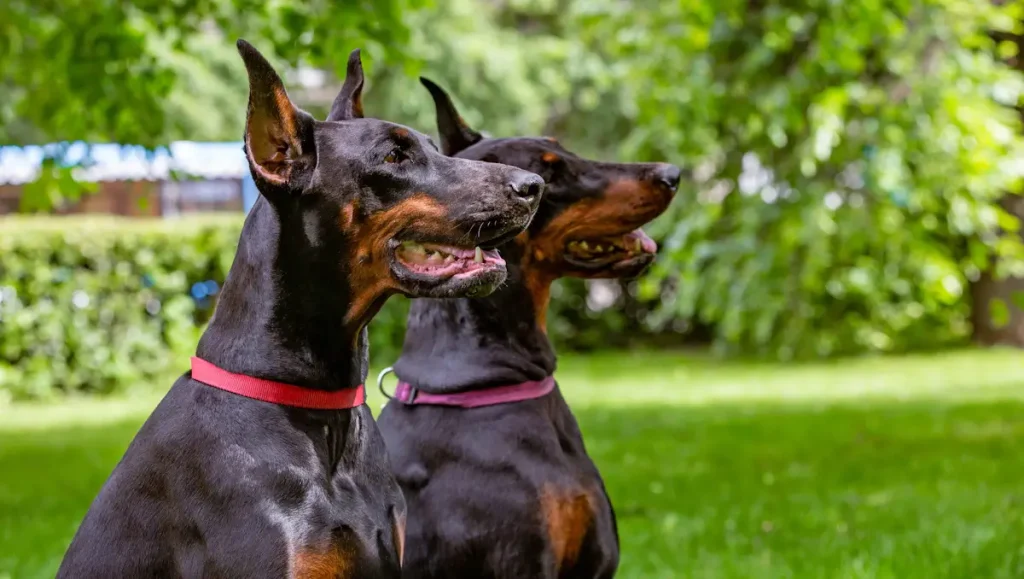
(625, 205)
(369, 271)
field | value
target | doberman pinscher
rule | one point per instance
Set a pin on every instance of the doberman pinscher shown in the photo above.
(490, 459)
(268, 463)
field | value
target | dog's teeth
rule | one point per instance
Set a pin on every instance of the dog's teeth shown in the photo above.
(449, 258)
(599, 248)
(413, 247)
(583, 245)
(434, 257)
(574, 245)
(479, 255)
(638, 245)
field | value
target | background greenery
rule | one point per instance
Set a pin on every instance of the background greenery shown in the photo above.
(97, 305)
(852, 161)
(855, 189)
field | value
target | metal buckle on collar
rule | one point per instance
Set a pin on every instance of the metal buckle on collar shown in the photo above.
(380, 381)
(413, 391)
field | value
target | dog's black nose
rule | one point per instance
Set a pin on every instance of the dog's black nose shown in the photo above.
(668, 175)
(527, 185)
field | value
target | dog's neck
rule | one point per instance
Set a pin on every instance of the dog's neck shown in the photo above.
(281, 313)
(455, 345)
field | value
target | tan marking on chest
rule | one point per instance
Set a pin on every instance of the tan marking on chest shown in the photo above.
(568, 514)
(398, 535)
(334, 562)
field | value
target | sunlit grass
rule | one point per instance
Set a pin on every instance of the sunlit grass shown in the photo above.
(898, 467)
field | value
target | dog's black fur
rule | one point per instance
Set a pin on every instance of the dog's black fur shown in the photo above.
(217, 485)
(508, 491)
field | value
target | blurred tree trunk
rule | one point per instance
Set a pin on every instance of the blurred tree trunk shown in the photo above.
(988, 331)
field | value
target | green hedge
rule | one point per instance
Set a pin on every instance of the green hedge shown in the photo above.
(95, 305)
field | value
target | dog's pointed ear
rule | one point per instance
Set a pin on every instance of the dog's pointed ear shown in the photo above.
(455, 133)
(279, 138)
(349, 102)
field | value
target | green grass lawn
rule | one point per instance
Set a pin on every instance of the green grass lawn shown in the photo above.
(906, 467)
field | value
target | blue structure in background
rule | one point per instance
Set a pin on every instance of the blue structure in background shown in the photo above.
(94, 162)
(178, 161)
(249, 192)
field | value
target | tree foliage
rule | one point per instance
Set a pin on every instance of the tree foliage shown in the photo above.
(848, 160)
(146, 73)
(104, 70)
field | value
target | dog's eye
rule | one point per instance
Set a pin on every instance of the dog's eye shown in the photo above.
(395, 156)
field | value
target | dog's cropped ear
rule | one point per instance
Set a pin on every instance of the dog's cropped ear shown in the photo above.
(349, 102)
(279, 139)
(455, 133)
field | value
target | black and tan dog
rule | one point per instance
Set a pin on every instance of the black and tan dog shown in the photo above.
(284, 480)
(490, 459)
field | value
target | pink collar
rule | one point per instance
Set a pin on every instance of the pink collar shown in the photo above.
(276, 392)
(406, 394)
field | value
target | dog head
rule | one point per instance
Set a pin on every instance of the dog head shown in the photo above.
(374, 205)
(589, 221)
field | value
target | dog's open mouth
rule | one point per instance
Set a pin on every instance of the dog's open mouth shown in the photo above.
(633, 249)
(442, 262)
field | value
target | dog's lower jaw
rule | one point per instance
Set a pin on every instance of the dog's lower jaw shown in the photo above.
(479, 280)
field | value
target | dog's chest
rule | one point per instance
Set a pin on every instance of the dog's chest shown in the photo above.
(342, 524)
(535, 488)
(318, 530)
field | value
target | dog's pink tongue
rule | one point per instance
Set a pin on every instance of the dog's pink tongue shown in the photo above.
(493, 256)
(648, 244)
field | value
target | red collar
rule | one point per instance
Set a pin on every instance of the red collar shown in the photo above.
(407, 394)
(276, 392)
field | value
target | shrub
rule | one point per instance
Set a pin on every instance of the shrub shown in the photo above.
(96, 305)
